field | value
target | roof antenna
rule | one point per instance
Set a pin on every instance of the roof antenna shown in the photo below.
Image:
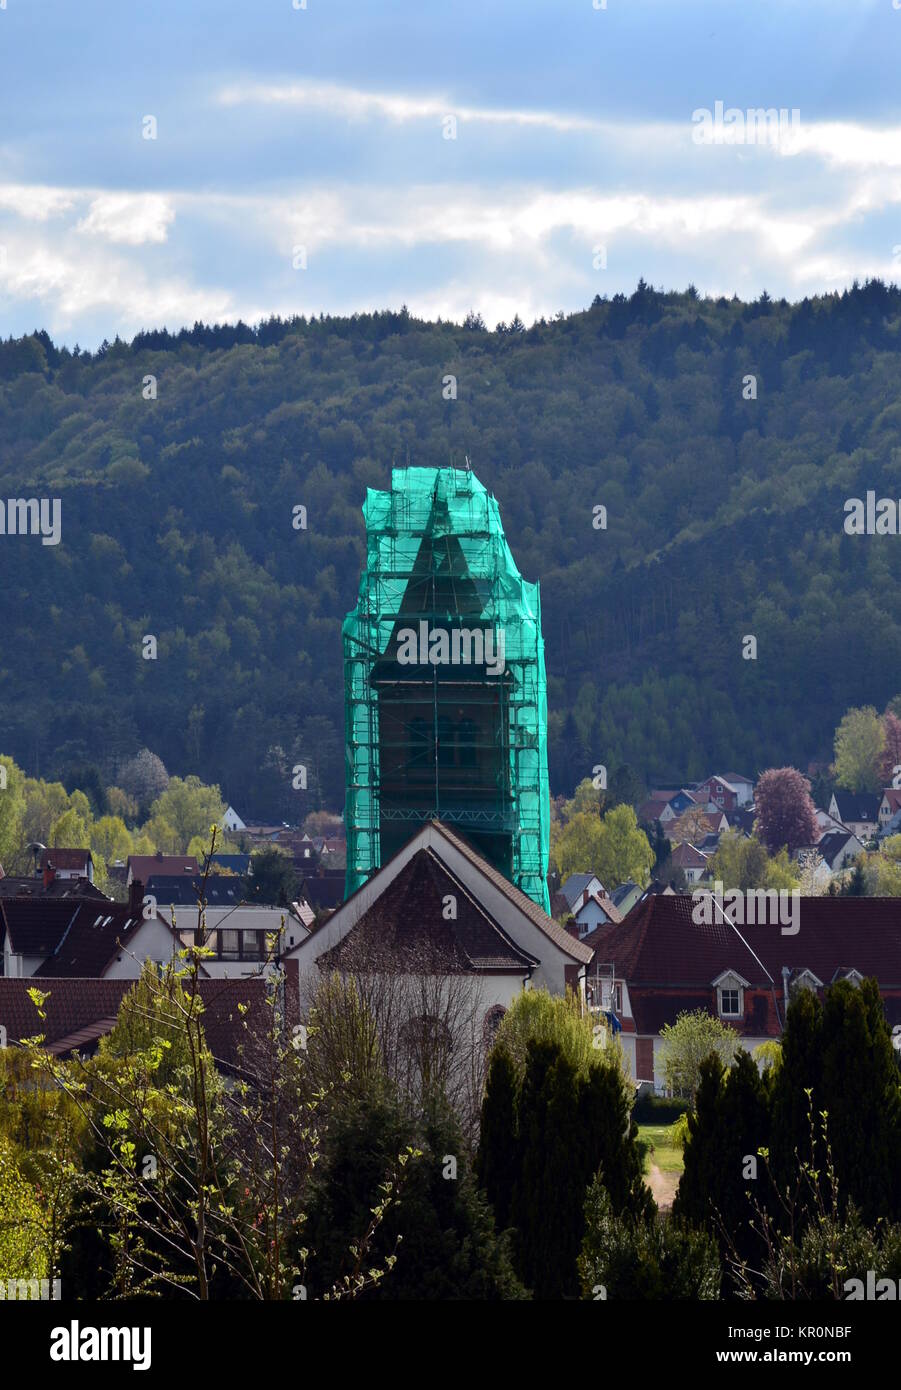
(468, 464)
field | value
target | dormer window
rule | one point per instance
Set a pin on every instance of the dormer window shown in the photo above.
(730, 1003)
(805, 979)
(730, 994)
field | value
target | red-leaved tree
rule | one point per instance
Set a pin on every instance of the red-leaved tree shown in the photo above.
(785, 811)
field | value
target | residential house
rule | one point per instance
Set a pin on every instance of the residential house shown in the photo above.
(43, 937)
(66, 864)
(141, 866)
(626, 896)
(180, 890)
(857, 811)
(584, 897)
(728, 791)
(720, 793)
(664, 964)
(889, 806)
(827, 822)
(232, 863)
(838, 850)
(665, 805)
(692, 861)
(245, 940)
(232, 821)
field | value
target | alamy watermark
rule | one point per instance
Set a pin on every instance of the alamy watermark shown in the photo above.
(761, 907)
(461, 646)
(32, 516)
(31, 1290)
(867, 517)
(730, 125)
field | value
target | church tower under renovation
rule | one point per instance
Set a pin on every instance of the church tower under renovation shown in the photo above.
(444, 683)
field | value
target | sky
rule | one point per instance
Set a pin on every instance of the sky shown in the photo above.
(506, 156)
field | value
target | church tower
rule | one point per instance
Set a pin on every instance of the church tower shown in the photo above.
(445, 689)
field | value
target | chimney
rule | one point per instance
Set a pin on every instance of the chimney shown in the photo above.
(135, 897)
(49, 874)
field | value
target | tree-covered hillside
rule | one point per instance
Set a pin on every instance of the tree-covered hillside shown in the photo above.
(724, 519)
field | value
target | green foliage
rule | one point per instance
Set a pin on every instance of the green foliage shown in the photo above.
(442, 1233)
(729, 1124)
(744, 863)
(656, 1257)
(837, 1057)
(247, 611)
(498, 1154)
(859, 745)
(272, 878)
(687, 1042)
(611, 846)
(556, 1109)
(22, 1253)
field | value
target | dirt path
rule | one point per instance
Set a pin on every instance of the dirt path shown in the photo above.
(663, 1186)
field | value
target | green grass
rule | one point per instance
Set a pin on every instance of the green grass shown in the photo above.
(668, 1159)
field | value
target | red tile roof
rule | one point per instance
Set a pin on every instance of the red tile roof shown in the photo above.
(140, 866)
(78, 1011)
(407, 921)
(66, 858)
(658, 943)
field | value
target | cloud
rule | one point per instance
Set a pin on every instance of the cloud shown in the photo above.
(36, 202)
(129, 218)
(354, 104)
(72, 281)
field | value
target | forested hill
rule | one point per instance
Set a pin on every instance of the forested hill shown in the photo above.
(724, 518)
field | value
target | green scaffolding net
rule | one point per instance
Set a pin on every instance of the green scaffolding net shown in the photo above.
(444, 683)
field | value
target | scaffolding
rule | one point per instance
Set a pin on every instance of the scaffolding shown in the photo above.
(456, 732)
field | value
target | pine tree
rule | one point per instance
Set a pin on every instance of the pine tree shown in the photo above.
(862, 1097)
(497, 1159)
(610, 1140)
(802, 1044)
(728, 1126)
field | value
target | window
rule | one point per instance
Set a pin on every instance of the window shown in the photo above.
(228, 945)
(492, 1023)
(729, 1003)
(617, 999)
(254, 945)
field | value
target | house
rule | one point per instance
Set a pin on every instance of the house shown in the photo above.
(720, 793)
(324, 889)
(246, 940)
(141, 866)
(664, 963)
(857, 811)
(741, 784)
(827, 822)
(232, 863)
(180, 890)
(67, 864)
(80, 1011)
(665, 804)
(626, 896)
(62, 937)
(438, 907)
(22, 886)
(232, 821)
(837, 848)
(889, 806)
(697, 823)
(584, 897)
(692, 861)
